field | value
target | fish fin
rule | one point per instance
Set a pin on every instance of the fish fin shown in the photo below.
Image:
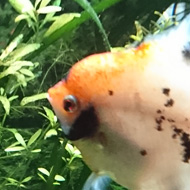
(97, 182)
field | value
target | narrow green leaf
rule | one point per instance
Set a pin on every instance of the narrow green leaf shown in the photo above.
(15, 67)
(24, 50)
(20, 139)
(70, 148)
(12, 131)
(44, 171)
(6, 104)
(12, 180)
(26, 179)
(48, 9)
(50, 115)
(24, 6)
(50, 16)
(36, 150)
(50, 133)
(86, 6)
(33, 98)
(57, 2)
(2, 90)
(11, 46)
(59, 178)
(10, 71)
(21, 79)
(56, 183)
(21, 17)
(36, 3)
(34, 137)
(65, 30)
(44, 3)
(14, 149)
(20, 63)
(26, 72)
(13, 98)
(60, 22)
(42, 177)
(23, 63)
(22, 185)
(21, 6)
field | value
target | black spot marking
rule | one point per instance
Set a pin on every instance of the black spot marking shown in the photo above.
(110, 92)
(185, 142)
(143, 152)
(169, 103)
(166, 91)
(171, 120)
(174, 136)
(85, 125)
(159, 121)
(159, 128)
(176, 130)
(159, 111)
(186, 51)
(162, 117)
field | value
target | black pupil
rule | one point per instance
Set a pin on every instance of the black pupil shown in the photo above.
(68, 105)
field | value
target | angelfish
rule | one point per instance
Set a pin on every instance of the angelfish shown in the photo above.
(129, 112)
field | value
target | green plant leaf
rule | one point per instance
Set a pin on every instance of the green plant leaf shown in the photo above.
(20, 139)
(20, 63)
(14, 149)
(49, 9)
(36, 3)
(13, 98)
(57, 2)
(33, 98)
(66, 29)
(42, 177)
(11, 46)
(50, 133)
(44, 3)
(24, 6)
(59, 178)
(49, 16)
(26, 72)
(36, 150)
(50, 116)
(22, 185)
(34, 137)
(24, 50)
(86, 6)
(11, 180)
(21, 17)
(21, 79)
(27, 179)
(6, 104)
(10, 71)
(21, 6)
(44, 171)
(61, 21)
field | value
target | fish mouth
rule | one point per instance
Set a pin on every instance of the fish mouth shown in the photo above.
(85, 125)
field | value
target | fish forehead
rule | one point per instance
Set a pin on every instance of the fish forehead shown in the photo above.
(99, 73)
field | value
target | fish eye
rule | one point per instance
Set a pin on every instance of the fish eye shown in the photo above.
(70, 103)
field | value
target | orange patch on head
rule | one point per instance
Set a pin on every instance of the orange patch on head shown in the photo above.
(97, 74)
(143, 49)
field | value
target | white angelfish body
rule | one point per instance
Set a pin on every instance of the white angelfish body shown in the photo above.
(132, 120)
